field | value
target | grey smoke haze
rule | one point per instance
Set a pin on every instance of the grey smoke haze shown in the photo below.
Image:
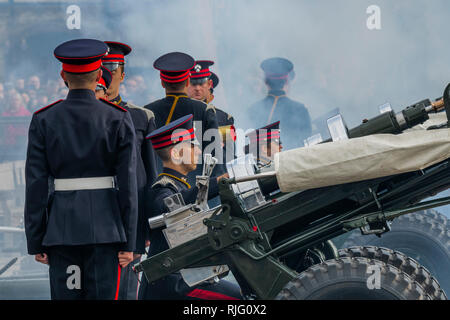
(338, 61)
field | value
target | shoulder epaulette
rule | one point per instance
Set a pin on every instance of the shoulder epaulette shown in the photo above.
(229, 116)
(164, 181)
(210, 106)
(148, 112)
(46, 107)
(201, 101)
(113, 104)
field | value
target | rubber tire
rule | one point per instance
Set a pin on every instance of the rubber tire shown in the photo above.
(346, 279)
(401, 261)
(327, 250)
(436, 215)
(419, 236)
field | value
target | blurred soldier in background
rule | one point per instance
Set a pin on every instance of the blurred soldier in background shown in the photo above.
(86, 229)
(264, 143)
(144, 123)
(294, 117)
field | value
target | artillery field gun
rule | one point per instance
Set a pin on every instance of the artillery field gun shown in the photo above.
(274, 226)
(422, 235)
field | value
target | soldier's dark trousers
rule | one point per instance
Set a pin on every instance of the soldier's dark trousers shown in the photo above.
(84, 272)
(128, 282)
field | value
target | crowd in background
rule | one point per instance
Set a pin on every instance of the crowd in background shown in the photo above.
(21, 96)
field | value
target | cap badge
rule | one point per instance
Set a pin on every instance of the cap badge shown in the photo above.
(197, 68)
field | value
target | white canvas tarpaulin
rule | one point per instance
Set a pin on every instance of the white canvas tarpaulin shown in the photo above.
(360, 159)
(435, 120)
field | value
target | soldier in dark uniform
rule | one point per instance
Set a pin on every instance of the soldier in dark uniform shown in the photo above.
(81, 191)
(115, 63)
(144, 123)
(178, 149)
(295, 119)
(200, 82)
(103, 84)
(264, 143)
(201, 87)
(226, 125)
(175, 70)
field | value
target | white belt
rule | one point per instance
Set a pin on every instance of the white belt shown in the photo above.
(84, 183)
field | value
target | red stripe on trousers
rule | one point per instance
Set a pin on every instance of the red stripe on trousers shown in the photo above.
(209, 295)
(118, 282)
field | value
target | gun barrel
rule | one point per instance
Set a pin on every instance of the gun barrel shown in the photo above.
(391, 122)
(436, 106)
(156, 222)
(254, 177)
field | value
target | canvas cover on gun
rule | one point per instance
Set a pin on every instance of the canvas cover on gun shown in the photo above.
(358, 159)
(434, 120)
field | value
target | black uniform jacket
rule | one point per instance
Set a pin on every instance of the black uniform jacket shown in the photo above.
(295, 122)
(146, 162)
(225, 119)
(76, 138)
(168, 183)
(203, 114)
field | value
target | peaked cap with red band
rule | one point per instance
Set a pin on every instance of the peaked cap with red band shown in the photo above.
(177, 131)
(215, 79)
(117, 52)
(201, 69)
(81, 55)
(106, 78)
(277, 68)
(174, 66)
(267, 133)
